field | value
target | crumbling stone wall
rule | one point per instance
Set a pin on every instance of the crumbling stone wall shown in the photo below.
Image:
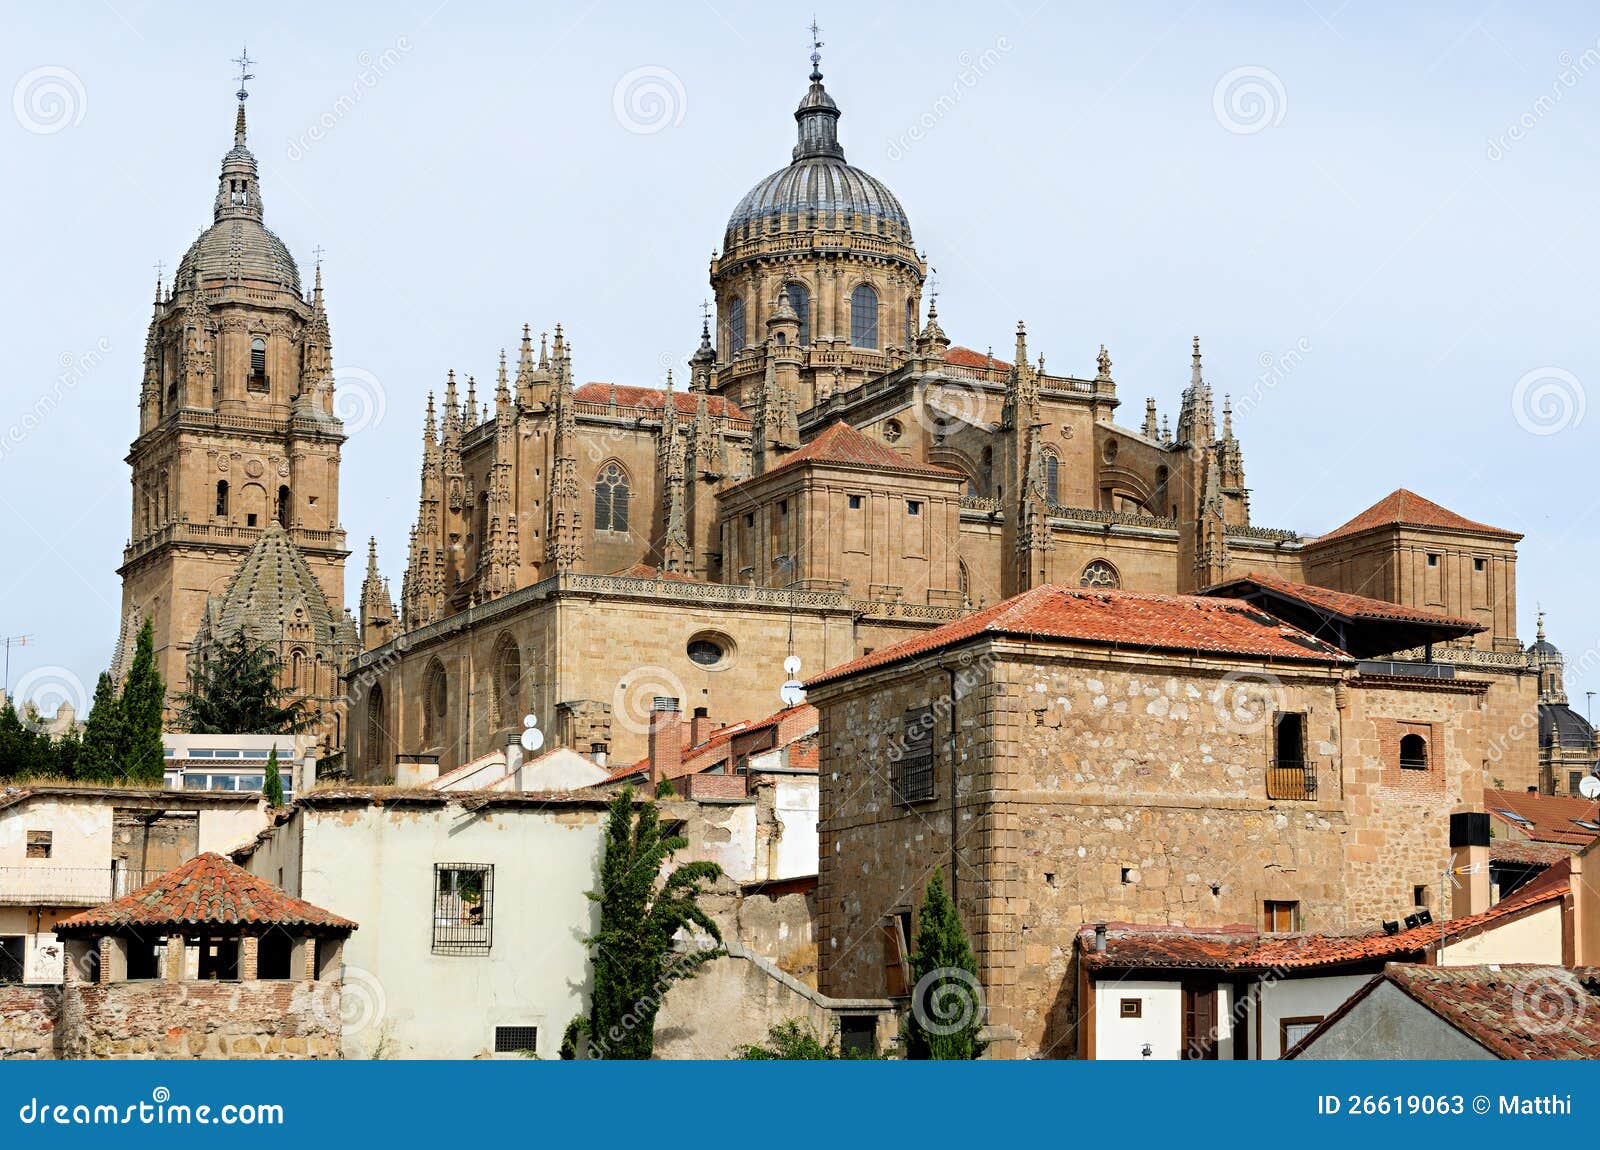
(165, 1019)
(28, 1020)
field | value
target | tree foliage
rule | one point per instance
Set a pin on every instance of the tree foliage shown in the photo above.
(947, 1007)
(144, 698)
(272, 781)
(635, 957)
(99, 758)
(788, 1041)
(235, 690)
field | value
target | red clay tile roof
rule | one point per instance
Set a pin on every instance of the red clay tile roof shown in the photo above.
(1406, 508)
(840, 443)
(1242, 948)
(1513, 1011)
(653, 399)
(1347, 605)
(646, 571)
(966, 357)
(1544, 818)
(697, 757)
(1121, 619)
(1533, 854)
(207, 889)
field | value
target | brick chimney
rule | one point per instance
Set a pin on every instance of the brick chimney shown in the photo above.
(1469, 862)
(666, 739)
(700, 727)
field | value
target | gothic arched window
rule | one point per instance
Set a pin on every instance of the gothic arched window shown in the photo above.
(735, 327)
(508, 702)
(611, 498)
(864, 317)
(435, 704)
(1100, 574)
(800, 300)
(1052, 477)
(377, 740)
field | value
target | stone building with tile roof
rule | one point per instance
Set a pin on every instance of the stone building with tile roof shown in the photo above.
(833, 455)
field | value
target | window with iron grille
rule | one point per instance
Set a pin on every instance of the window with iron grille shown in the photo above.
(463, 908)
(516, 1040)
(911, 775)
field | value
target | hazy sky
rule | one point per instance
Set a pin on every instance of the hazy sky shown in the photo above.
(1401, 205)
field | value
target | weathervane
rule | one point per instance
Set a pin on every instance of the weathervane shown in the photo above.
(816, 49)
(244, 62)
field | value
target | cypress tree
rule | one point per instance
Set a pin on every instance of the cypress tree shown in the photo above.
(633, 956)
(272, 785)
(102, 735)
(144, 698)
(947, 1008)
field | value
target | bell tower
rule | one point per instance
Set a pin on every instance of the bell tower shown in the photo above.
(237, 429)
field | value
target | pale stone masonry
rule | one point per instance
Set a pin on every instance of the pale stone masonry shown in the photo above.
(1128, 784)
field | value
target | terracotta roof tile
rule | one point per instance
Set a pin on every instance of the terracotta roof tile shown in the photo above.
(1514, 1011)
(1408, 509)
(697, 757)
(1153, 622)
(653, 399)
(966, 357)
(1348, 605)
(206, 889)
(1533, 854)
(1545, 818)
(840, 443)
(1242, 948)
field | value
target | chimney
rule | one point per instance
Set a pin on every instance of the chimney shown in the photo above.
(666, 739)
(1469, 862)
(597, 752)
(1100, 938)
(700, 727)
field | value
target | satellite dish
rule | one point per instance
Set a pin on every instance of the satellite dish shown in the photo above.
(532, 739)
(1589, 788)
(530, 721)
(792, 693)
(791, 666)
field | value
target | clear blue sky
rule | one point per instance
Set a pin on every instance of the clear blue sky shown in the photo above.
(1353, 193)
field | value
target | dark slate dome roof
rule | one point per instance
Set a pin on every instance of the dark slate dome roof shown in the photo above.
(1559, 723)
(818, 179)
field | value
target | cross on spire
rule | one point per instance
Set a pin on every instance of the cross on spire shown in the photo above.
(319, 251)
(244, 62)
(816, 50)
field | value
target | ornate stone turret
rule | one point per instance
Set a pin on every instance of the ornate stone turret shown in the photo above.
(1151, 429)
(1196, 422)
(676, 553)
(1211, 536)
(377, 607)
(564, 533)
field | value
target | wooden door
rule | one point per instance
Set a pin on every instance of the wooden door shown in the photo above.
(1200, 1020)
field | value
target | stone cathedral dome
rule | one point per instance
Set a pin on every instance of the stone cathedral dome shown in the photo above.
(238, 246)
(818, 188)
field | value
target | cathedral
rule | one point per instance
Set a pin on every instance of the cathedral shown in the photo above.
(832, 474)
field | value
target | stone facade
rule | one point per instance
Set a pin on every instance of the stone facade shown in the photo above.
(28, 1020)
(236, 425)
(1099, 786)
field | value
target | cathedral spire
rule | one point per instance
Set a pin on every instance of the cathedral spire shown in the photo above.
(564, 531)
(238, 190)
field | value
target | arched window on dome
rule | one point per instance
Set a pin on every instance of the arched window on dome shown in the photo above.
(864, 317)
(735, 327)
(611, 498)
(800, 300)
(258, 365)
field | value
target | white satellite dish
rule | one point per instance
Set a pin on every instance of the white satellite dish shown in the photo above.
(791, 666)
(532, 739)
(1589, 788)
(530, 721)
(792, 693)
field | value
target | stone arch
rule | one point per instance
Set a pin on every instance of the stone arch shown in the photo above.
(508, 697)
(378, 741)
(435, 703)
(613, 491)
(1101, 575)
